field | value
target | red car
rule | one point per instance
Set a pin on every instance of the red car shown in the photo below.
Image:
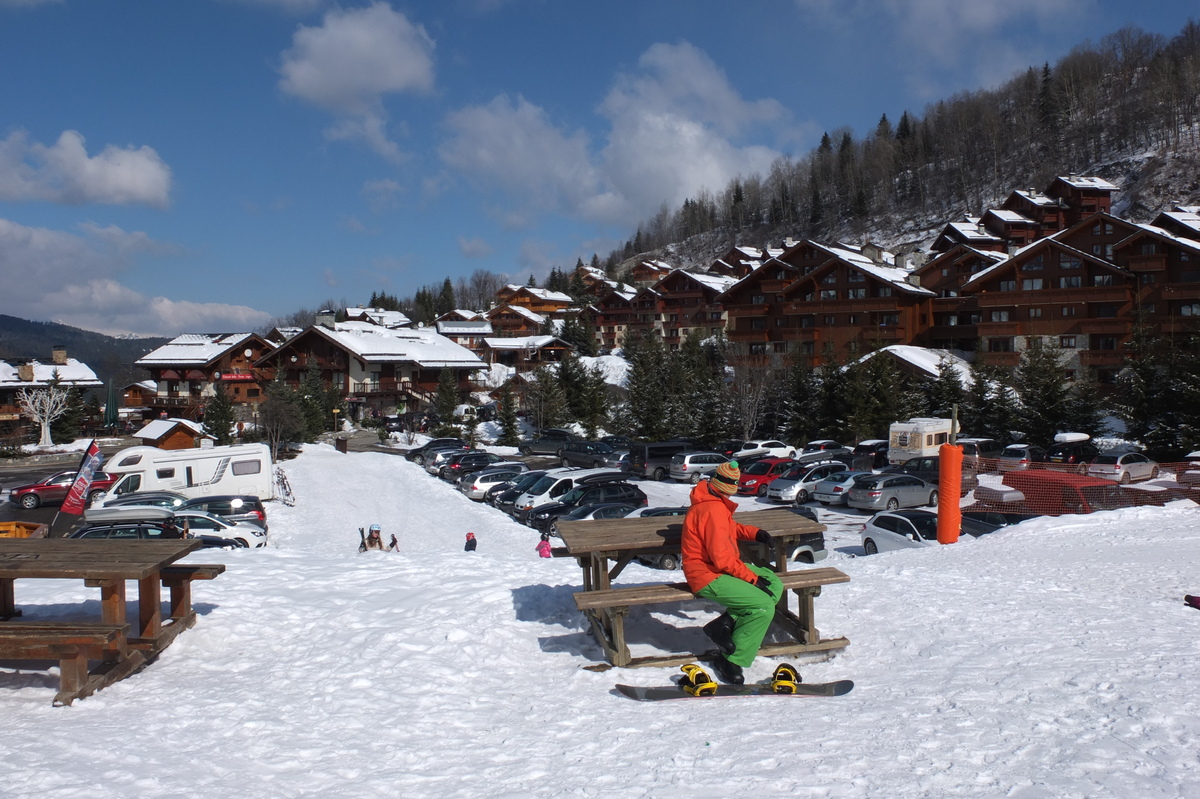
(760, 474)
(55, 487)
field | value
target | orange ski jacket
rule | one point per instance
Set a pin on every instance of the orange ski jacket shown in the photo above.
(710, 540)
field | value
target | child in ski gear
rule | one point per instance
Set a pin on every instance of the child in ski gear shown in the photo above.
(714, 570)
(543, 547)
(471, 542)
(373, 541)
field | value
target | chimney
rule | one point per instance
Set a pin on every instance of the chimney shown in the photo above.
(914, 279)
(25, 371)
(902, 260)
(58, 354)
(325, 318)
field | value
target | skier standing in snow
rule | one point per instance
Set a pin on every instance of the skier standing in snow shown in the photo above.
(471, 542)
(543, 547)
(714, 570)
(372, 541)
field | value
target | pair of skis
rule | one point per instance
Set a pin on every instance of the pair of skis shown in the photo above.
(696, 683)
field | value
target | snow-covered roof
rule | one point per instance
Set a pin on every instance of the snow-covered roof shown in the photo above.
(378, 316)
(464, 327)
(971, 230)
(1009, 217)
(927, 360)
(421, 346)
(1185, 217)
(1082, 182)
(1036, 197)
(1182, 241)
(193, 348)
(519, 342)
(542, 294)
(72, 373)
(536, 318)
(718, 283)
(160, 427)
(891, 274)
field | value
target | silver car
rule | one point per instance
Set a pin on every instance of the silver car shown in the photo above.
(1123, 468)
(690, 467)
(799, 482)
(436, 459)
(476, 484)
(834, 488)
(201, 523)
(892, 491)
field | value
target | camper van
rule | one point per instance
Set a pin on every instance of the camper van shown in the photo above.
(916, 438)
(243, 469)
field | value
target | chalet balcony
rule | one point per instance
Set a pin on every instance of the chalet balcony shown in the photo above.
(1052, 296)
(1179, 324)
(750, 335)
(171, 401)
(1101, 358)
(1104, 326)
(1001, 329)
(949, 332)
(382, 386)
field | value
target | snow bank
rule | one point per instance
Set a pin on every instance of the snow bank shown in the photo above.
(1054, 659)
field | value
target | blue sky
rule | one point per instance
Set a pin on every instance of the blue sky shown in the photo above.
(209, 164)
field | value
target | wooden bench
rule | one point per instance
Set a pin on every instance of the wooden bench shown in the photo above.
(178, 579)
(73, 644)
(607, 607)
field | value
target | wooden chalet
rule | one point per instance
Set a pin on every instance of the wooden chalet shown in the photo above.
(188, 368)
(647, 273)
(757, 316)
(524, 353)
(610, 317)
(1167, 272)
(954, 313)
(174, 434)
(515, 320)
(540, 301)
(31, 373)
(687, 303)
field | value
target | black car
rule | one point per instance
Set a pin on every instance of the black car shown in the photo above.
(585, 454)
(504, 500)
(618, 442)
(541, 517)
(548, 443)
(417, 455)
(143, 523)
(1073, 453)
(467, 462)
(929, 470)
(231, 508)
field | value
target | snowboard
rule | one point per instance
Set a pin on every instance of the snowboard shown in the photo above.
(659, 693)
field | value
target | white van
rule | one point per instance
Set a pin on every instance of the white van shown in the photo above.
(916, 438)
(557, 482)
(207, 471)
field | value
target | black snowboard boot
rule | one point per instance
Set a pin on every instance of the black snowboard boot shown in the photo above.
(720, 632)
(729, 673)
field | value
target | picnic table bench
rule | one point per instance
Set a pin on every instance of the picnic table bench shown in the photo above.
(594, 544)
(120, 646)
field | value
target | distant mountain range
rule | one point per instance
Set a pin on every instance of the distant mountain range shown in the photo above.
(111, 358)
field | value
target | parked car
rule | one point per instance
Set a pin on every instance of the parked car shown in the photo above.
(976, 450)
(618, 442)
(465, 463)
(1189, 475)
(653, 461)
(758, 476)
(231, 508)
(1019, 456)
(505, 500)
(768, 448)
(587, 491)
(834, 488)
(549, 442)
(797, 483)
(600, 510)
(142, 522)
(665, 560)
(555, 484)
(202, 523)
(153, 499)
(584, 454)
(435, 459)
(417, 455)
(475, 485)
(1077, 454)
(822, 450)
(53, 489)
(729, 446)
(891, 491)
(689, 467)
(998, 518)
(909, 529)
(617, 459)
(928, 468)
(1124, 468)
(874, 449)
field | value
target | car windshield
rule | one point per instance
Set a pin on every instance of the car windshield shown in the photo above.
(580, 512)
(526, 480)
(868, 483)
(1109, 459)
(926, 526)
(543, 485)
(839, 477)
(572, 496)
(758, 467)
(602, 448)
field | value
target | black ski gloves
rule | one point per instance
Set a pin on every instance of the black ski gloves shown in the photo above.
(762, 583)
(762, 537)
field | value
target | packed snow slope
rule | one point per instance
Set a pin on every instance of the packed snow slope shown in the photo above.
(1055, 659)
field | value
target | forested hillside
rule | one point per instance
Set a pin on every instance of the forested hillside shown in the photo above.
(109, 357)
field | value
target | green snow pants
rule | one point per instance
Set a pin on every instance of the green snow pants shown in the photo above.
(752, 610)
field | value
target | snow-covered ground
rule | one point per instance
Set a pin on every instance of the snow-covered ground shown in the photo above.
(1055, 659)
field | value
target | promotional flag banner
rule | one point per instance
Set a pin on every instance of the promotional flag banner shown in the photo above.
(77, 496)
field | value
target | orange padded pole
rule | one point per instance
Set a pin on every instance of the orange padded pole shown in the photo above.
(950, 458)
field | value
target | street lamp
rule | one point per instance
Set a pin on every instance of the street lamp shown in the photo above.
(336, 411)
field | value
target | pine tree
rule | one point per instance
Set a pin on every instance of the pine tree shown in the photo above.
(445, 403)
(647, 406)
(1039, 381)
(544, 399)
(1085, 411)
(571, 380)
(66, 427)
(594, 402)
(944, 392)
(510, 426)
(318, 414)
(219, 416)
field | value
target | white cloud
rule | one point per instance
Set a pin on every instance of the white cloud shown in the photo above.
(354, 59)
(474, 248)
(64, 173)
(72, 278)
(675, 126)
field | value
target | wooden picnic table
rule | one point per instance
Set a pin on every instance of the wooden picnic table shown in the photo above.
(107, 565)
(598, 543)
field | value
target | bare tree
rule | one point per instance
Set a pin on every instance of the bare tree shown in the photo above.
(43, 406)
(752, 376)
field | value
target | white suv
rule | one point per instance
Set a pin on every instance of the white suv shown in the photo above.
(764, 449)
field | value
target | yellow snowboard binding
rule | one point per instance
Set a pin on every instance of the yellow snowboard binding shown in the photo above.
(784, 680)
(696, 681)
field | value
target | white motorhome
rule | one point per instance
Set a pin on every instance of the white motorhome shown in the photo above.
(207, 471)
(916, 438)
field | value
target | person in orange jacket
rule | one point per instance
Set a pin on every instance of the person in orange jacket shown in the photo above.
(713, 568)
